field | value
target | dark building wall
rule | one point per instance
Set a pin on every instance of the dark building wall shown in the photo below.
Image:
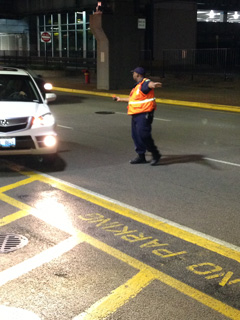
(119, 42)
(125, 42)
(40, 6)
(230, 5)
(218, 35)
(175, 26)
(8, 9)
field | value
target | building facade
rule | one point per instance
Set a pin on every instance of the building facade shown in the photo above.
(21, 23)
(117, 33)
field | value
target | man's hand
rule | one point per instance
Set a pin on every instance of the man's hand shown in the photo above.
(153, 85)
(118, 99)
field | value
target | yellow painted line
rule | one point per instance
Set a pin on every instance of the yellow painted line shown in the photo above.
(118, 297)
(137, 216)
(18, 204)
(92, 93)
(62, 222)
(46, 256)
(202, 105)
(150, 274)
(20, 214)
(18, 184)
(13, 217)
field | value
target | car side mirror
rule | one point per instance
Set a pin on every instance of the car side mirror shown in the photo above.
(50, 97)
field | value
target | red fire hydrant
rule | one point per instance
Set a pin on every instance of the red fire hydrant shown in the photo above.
(87, 76)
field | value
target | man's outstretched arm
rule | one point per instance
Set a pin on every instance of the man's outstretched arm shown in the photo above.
(118, 99)
(153, 85)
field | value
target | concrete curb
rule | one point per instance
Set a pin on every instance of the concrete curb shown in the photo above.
(164, 101)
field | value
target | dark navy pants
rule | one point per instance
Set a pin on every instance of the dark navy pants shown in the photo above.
(142, 133)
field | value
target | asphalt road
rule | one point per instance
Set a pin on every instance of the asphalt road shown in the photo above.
(111, 240)
(199, 175)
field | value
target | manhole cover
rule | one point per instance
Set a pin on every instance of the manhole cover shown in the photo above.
(11, 242)
(105, 112)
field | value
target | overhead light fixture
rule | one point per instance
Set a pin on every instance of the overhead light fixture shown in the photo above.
(236, 15)
(211, 14)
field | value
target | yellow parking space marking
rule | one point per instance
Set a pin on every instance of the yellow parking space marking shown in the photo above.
(38, 260)
(139, 217)
(13, 217)
(197, 295)
(149, 273)
(18, 184)
(118, 297)
(122, 294)
(61, 223)
(18, 204)
(17, 215)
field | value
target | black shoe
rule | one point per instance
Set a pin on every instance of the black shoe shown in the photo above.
(138, 159)
(155, 160)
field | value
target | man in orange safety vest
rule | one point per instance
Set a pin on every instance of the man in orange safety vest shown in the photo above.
(141, 106)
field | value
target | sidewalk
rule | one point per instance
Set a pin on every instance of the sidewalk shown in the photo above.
(204, 91)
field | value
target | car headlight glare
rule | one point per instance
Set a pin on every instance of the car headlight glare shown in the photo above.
(50, 141)
(45, 120)
(48, 86)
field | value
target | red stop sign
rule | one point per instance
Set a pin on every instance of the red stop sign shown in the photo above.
(46, 36)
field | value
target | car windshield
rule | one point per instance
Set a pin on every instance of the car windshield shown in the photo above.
(18, 88)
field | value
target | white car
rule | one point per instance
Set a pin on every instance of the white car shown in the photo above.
(27, 126)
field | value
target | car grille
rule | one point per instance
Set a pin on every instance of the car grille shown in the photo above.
(14, 124)
(22, 143)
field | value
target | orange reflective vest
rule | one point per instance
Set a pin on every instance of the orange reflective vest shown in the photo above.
(140, 102)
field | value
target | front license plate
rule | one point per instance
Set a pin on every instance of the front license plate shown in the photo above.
(7, 142)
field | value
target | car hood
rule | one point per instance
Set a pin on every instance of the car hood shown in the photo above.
(22, 109)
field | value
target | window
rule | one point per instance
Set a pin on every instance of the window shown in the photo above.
(218, 16)
(71, 35)
(210, 16)
(233, 17)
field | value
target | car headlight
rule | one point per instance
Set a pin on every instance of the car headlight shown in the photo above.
(45, 120)
(50, 141)
(48, 86)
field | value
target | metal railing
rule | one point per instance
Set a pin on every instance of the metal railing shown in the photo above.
(192, 62)
(195, 62)
(30, 59)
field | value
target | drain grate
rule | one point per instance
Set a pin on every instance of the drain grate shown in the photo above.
(11, 242)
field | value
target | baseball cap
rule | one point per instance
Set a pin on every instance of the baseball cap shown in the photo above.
(139, 70)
